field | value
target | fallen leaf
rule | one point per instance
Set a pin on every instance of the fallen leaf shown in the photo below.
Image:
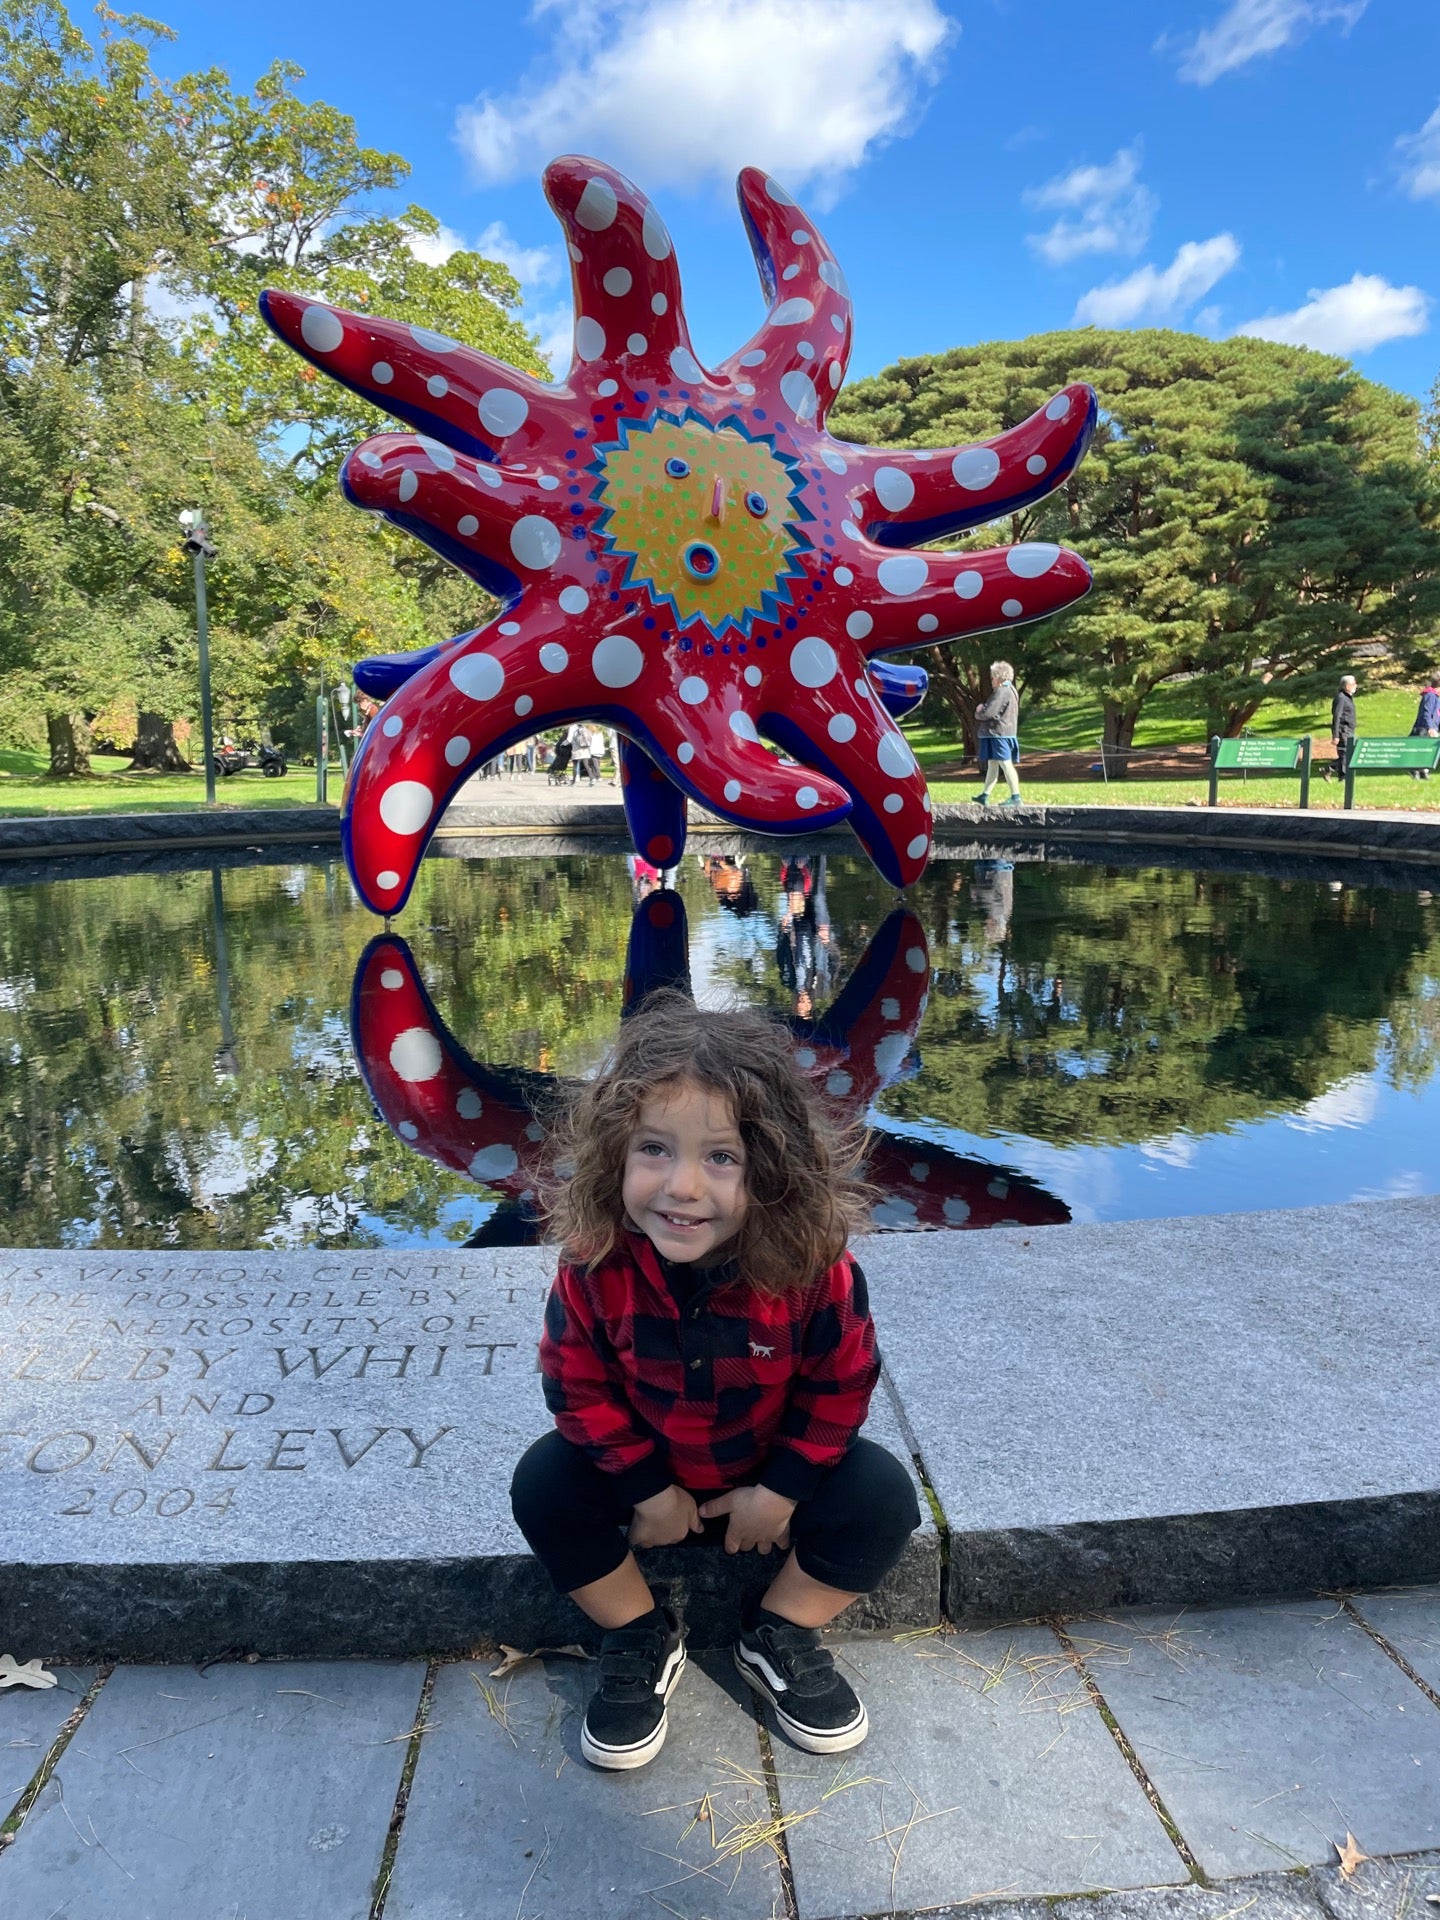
(513, 1657)
(31, 1674)
(1350, 1855)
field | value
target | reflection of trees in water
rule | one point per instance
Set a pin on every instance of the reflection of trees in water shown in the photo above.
(1113, 1008)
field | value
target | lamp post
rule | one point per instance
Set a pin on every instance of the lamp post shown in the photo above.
(197, 543)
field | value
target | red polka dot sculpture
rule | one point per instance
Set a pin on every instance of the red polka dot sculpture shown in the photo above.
(681, 553)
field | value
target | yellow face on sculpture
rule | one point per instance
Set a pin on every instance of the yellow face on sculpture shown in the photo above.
(705, 516)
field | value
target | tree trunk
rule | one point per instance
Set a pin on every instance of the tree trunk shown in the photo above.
(69, 745)
(155, 750)
(960, 697)
(1119, 737)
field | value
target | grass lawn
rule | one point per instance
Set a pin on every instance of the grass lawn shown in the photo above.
(25, 790)
(1381, 791)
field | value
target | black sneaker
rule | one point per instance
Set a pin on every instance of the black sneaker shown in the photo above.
(815, 1707)
(640, 1667)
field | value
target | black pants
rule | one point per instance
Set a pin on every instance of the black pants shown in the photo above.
(1344, 747)
(848, 1535)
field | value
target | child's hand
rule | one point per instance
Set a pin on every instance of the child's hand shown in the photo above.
(758, 1518)
(665, 1518)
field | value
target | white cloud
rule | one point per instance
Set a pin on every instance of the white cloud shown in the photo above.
(1249, 29)
(531, 266)
(434, 249)
(687, 91)
(1421, 170)
(1102, 210)
(1160, 293)
(1362, 314)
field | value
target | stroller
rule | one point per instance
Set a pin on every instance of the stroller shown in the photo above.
(560, 764)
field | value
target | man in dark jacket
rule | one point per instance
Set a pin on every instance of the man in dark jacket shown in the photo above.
(1342, 722)
(1427, 721)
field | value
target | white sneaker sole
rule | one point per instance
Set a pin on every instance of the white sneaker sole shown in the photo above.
(623, 1759)
(808, 1739)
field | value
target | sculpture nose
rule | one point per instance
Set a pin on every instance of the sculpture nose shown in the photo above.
(717, 500)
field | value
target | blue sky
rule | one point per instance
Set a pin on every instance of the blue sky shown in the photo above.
(982, 168)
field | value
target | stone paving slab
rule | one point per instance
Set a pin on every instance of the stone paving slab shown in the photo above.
(29, 1723)
(258, 1791)
(988, 1772)
(1271, 1732)
(506, 1821)
(1409, 1619)
(1381, 1889)
(1228, 1403)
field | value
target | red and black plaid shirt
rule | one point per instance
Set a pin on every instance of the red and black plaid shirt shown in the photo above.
(698, 1381)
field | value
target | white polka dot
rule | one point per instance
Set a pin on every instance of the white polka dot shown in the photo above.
(407, 806)
(838, 1083)
(774, 191)
(415, 1054)
(805, 350)
(573, 599)
(1058, 407)
(744, 386)
(969, 583)
(468, 1104)
(382, 373)
(440, 454)
(797, 390)
(956, 1210)
(589, 338)
(975, 468)
(917, 846)
(732, 790)
(392, 725)
(893, 802)
(467, 525)
(850, 530)
(832, 276)
(685, 753)
(535, 542)
(927, 623)
(806, 1058)
(890, 1052)
(742, 726)
(369, 459)
(408, 1130)
(1031, 558)
(478, 675)
(755, 357)
(617, 661)
(791, 272)
(607, 387)
(509, 626)
(753, 676)
(841, 727)
(813, 662)
(858, 625)
(434, 342)
(320, 329)
(637, 343)
(392, 978)
(1011, 609)
(684, 365)
(388, 880)
(408, 484)
(457, 751)
(487, 474)
(618, 282)
(902, 573)
(894, 755)
(837, 321)
(523, 705)
(492, 1163)
(503, 411)
(925, 802)
(652, 233)
(806, 798)
(575, 254)
(693, 690)
(843, 577)
(658, 303)
(597, 206)
(553, 657)
(837, 373)
(893, 489)
(889, 1008)
(835, 461)
(1036, 463)
(800, 237)
(437, 386)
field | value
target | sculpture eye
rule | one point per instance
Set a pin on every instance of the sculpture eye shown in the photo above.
(757, 504)
(677, 468)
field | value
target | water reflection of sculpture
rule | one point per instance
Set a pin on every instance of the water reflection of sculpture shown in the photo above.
(486, 1121)
(685, 555)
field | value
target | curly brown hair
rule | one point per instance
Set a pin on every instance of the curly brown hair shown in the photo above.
(801, 1168)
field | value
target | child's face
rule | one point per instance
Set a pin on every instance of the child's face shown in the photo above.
(684, 1184)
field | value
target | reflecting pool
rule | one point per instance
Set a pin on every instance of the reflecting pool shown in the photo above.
(234, 1059)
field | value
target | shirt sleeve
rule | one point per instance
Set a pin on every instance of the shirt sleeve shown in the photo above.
(584, 1386)
(831, 1394)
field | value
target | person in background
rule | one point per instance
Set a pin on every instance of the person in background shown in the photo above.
(999, 729)
(1427, 721)
(1342, 722)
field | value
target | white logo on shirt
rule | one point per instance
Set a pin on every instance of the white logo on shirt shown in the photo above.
(761, 1353)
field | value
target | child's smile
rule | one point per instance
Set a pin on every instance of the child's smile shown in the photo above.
(684, 1184)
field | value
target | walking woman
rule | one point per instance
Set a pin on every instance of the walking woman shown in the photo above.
(999, 725)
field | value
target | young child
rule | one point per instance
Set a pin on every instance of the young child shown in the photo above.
(709, 1356)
